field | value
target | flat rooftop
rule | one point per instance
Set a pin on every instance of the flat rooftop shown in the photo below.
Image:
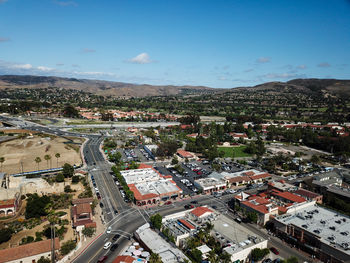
(209, 182)
(229, 231)
(158, 245)
(332, 228)
(140, 175)
(159, 187)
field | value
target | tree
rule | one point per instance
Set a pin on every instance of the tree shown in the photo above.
(156, 221)
(67, 247)
(44, 260)
(5, 234)
(196, 255)
(57, 155)
(155, 258)
(252, 217)
(37, 206)
(68, 170)
(291, 259)
(175, 160)
(27, 240)
(37, 160)
(68, 189)
(70, 112)
(258, 254)
(315, 159)
(2, 160)
(60, 178)
(47, 158)
(89, 231)
(75, 179)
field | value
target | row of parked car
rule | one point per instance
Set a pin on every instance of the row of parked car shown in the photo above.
(130, 155)
(95, 187)
(146, 154)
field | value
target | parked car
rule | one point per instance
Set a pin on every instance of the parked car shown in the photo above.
(114, 247)
(189, 206)
(274, 250)
(109, 230)
(194, 202)
(168, 202)
(102, 259)
(115, 238)
(107, 245)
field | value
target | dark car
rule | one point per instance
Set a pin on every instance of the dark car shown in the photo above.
(115, 238)
(188, 206)
(102, 259)
(268, 260)
(274, 250)
(194, 202)
(114, 247)
(115, 211)
(168, 203)
(101, 205)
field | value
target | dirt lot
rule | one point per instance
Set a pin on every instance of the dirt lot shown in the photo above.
(20, 153)
(292, 149)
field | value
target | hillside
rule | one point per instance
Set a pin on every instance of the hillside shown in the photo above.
(312, 87)
(99, 87)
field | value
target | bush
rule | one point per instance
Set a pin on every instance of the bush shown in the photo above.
(5, 235)
(59, 178)
(37, 206)
(67, 247)
(75, 179)
(44, 260)
(68, 189)
(156, 221)
(27, 240)
(89, 231)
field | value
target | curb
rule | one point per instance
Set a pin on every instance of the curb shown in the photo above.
(81, 252)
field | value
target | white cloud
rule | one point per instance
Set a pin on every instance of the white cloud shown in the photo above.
(4, 39)
(142, 58)
(22, 66)
(66, 3)
(88, 50)
(263, 60)
(324, 65)
(301, 67)
(42, 68)
(283, 76)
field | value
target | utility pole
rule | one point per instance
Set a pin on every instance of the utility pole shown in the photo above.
(52, 242)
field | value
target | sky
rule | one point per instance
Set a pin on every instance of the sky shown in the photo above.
(215, 43)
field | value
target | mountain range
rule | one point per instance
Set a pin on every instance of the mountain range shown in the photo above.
(324, 87)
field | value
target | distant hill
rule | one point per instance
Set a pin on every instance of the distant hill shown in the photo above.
(323, 87)
(100, 87)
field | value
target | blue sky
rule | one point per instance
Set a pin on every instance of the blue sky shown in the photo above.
(216, 43)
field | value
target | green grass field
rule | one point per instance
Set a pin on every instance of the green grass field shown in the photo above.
(238, 151)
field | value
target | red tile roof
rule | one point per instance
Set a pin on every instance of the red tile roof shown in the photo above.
(260, 208)
(238, 179)
(186, 224)
(138, 196)
(86, 222)
(306, 193)
(32, 249)
(7, 203)
(184, 154)
(289, 196)
(143, 166)
(83, 208)
(201, 210)
(122, 259)
(250, 173)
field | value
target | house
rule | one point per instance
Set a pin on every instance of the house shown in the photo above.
(201, 212)
(29, 253)
(184, 154)
(10, 207)
(81, 214)
(308, 195)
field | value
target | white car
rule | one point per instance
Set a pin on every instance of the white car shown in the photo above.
(109, 230)
(107, 245)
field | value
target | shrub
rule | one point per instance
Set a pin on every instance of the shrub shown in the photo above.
(67, 247)
(89, 231)
(5, 235)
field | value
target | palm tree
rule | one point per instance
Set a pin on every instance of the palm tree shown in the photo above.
(57, 155)
(2, 159)
(47, 157)
(37, 160)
